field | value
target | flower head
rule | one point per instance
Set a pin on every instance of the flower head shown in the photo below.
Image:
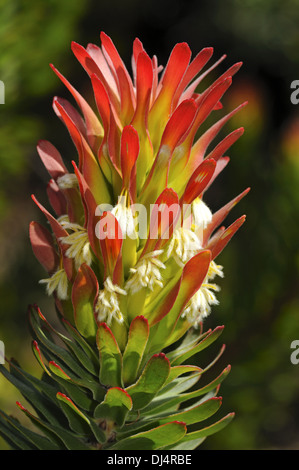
(141, 145)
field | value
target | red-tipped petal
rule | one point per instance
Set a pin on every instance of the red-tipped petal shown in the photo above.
(91, 67)
(198, 181)
(109, 233)
(206, 105)
(163, 218)
(87, 162)
(129, 153)
(175, 68)
(193, 275)
(43, 247)
(93, 125)
(178, 124)
(193, 69)
(59, 233)
(124, 80)
(144, 82)
(220, 215)
(201, 145)
(217, 246)
(225, 144)
(51, 159)
(56, 198)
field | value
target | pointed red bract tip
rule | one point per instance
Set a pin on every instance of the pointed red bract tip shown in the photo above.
(64, 396)
(141, 317)
(181, 423)
(20, 406)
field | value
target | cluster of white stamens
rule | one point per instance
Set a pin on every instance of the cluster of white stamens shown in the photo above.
(201, 214)
(146, 273)
(79, 248)
(125, 218)
(183, 245)
(107, 305)
(57, 282)
(199, 306)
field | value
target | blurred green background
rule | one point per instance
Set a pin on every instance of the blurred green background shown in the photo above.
(259, 303)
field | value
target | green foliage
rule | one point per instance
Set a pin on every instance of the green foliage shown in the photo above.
(72, 409)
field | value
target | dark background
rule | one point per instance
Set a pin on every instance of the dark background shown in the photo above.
(258, 301)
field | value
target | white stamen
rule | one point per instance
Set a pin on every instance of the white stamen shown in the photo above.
(57, 282)
(199, 306)
(63, 220)
(202, 215)
(183, 246)
(107, 306)
(79, 249)
(67, 181)
(125, 218)
(146, 273)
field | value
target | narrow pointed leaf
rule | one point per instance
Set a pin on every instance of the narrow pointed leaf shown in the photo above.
(150, 382)
(209, 430)
(209, 339)
(225, 237)
(154, 439)
(79, 423)
(164, 403)
(132, 356)
(84, 293)
(110, 357)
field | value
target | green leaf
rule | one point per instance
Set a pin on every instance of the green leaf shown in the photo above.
(209, 339)
(45, 384)
(110, 357)
(195, 414)
(34, 440)
(41, 404)
(74, 390)
(12, 436)
(180, 385)
(78, 422)
(78, 345)
(150, 382)
(55, 349)
(88, 358)
(84, 292)
(115, 407)
(38, 355)
(188, 445)
(209, 430)
(55, 433)
(161, 436)
(137, 340)
(177, 371)
(192, 415)
(162, 404)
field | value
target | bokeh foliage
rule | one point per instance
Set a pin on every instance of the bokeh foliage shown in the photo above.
(259, 298)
